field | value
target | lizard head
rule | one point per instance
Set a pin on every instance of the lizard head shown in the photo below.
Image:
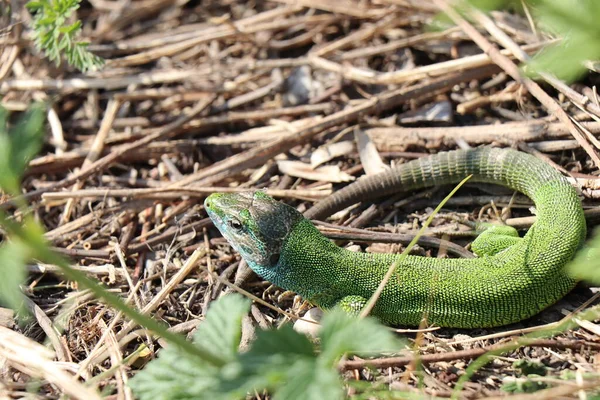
(255, 225)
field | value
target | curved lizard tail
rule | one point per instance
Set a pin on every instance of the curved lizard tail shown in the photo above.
(516, 170)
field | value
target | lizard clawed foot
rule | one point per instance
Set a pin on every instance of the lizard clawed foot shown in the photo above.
(493, 239)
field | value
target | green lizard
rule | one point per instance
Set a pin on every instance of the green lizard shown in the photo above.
(512, 279)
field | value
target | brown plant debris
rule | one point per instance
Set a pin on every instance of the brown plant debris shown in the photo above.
(198, 97)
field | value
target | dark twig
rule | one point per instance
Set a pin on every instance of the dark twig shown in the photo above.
(469, 354)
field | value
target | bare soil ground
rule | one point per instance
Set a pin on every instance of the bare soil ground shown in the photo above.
(297, 98)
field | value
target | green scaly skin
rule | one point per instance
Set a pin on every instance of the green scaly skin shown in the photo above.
(512, 279)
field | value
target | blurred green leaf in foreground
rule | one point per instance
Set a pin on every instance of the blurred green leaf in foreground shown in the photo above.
(19, 143)
(574, 22)
(585, 265)
(280, 360)
(577, 23)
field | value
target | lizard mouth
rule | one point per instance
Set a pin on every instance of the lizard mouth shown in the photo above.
(214, 210)
(209, 206)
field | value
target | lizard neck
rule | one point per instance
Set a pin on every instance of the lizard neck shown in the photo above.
(300, 268)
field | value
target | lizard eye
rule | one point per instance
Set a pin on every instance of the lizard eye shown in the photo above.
(235, 225)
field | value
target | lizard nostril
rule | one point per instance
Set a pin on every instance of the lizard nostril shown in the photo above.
(207, 204)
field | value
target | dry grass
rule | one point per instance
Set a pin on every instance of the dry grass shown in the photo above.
(198, 97)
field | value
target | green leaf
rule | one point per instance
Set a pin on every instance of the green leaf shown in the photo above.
(276, 362)
(566, 16)
(175, 375)
(13, 256)
(9, 181)
(285, 341)
(71, 29)
(586, 264)
(19, 145)
(309, 381)
(565, 60)
(268, 362)
(27, 137)
(54, 36)
(34, 6)
(441, 21)
(341, 333)
(48, 21)
(576, 22)
(221, 331)
(281, 361)
(3, 121)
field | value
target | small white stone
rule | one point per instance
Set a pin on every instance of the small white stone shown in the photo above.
(306, 327)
